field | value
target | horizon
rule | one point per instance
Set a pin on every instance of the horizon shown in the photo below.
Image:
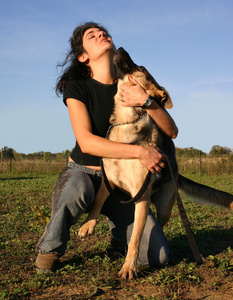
(185, 148)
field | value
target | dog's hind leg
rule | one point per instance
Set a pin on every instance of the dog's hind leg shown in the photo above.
(141, 211)
(88, 227)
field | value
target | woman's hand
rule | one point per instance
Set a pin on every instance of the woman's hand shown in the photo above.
(135, 95)
(152, 159)
(132, 95)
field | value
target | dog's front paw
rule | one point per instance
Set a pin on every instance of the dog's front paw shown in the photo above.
(87, 228)
(128, 271)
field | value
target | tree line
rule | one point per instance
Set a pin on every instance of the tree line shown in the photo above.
(9, 153)
(216, 150)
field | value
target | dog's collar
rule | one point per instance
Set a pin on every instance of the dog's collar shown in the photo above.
(124, 123)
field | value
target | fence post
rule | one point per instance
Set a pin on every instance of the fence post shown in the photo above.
(49, 161)
(67, 156)
(200, 162)
(10, 163)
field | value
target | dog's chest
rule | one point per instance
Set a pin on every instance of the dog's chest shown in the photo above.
(133, 129)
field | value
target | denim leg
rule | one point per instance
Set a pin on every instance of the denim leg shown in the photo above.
(73, 194)
(154, 250)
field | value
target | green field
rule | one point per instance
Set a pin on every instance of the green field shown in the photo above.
(89, 268)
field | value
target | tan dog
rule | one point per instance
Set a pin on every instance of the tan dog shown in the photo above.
(133, 125)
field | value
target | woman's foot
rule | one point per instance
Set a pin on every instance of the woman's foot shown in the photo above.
(46, 262)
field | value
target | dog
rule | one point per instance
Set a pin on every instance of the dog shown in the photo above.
(133, 125)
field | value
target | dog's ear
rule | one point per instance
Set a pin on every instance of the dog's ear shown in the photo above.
(167, 102)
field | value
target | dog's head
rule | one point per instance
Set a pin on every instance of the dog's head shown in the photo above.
(124, 65)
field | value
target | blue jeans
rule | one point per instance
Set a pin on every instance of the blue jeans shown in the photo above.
(73, 194)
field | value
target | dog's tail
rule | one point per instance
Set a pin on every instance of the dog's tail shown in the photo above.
(202, 193)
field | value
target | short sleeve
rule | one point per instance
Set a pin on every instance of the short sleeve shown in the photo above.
(75, 90)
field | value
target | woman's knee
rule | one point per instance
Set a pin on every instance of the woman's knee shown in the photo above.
(154, 250)
(164, 257)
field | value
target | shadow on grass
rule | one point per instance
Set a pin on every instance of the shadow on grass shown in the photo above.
(77, 260)
(209, 242)
(18, 178)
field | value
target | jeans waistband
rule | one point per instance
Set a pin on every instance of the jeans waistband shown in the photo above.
(85, 169)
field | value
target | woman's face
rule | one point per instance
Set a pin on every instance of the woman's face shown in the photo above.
(96, 42)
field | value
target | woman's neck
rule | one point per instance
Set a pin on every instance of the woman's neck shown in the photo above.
(103, 71)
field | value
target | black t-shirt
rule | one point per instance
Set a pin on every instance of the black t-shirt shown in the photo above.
(99, 100)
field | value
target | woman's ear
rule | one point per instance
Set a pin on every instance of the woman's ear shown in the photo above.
(83, 57)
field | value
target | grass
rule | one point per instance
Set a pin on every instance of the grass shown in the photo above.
(89, 268)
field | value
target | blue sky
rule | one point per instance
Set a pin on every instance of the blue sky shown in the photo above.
(186, 45)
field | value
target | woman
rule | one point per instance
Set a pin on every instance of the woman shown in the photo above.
(88, 86)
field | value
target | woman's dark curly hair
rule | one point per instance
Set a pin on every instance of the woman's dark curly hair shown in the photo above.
(75, 69)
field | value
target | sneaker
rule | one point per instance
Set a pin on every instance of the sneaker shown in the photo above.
(46, 262)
